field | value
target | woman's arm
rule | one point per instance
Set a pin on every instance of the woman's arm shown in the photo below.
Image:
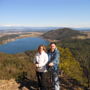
(35, 59)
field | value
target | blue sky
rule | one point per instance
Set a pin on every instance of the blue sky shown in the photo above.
(43, 13)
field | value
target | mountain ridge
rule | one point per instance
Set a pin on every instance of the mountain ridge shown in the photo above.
(62, 34)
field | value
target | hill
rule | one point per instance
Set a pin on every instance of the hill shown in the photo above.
(19, 71)
(62, 34)
(80, 48)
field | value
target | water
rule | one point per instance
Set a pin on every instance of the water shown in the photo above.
(22, 45)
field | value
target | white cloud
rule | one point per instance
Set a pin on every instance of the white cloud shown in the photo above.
(60, 25)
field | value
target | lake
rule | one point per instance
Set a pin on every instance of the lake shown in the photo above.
(22, 45)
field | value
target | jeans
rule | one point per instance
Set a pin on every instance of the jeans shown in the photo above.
(41, 80)
(55, 80)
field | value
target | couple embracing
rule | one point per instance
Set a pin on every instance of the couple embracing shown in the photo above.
(47, 61)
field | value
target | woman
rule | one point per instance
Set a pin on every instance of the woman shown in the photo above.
(41, 59)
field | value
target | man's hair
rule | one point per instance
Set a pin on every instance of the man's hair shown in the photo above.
(52, 43)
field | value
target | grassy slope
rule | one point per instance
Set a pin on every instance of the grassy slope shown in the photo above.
(20, 66)
(62, 34)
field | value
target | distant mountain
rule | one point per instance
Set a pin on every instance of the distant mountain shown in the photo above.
(13, 28)
(35, 29)
(82, 29)
(62, 34)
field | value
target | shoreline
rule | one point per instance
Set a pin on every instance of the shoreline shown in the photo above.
(30, 34)
(50, 40)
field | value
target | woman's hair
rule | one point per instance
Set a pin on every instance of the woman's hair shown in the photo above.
(44, 48)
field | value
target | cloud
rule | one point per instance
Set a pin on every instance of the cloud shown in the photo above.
(60, 25)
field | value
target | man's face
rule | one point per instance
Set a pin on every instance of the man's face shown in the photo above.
(52, 46)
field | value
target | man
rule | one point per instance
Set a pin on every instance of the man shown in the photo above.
(53, 56)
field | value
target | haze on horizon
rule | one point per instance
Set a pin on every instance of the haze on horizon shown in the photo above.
(44, 13)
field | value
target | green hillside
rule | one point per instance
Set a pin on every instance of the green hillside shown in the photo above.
(11, 66)
(20, 66)
(62, 34)
(74, 62)
(80, 48)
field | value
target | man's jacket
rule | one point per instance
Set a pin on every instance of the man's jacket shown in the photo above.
(54, 57)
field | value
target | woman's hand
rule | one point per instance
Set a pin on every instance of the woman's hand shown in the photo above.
(37, 65)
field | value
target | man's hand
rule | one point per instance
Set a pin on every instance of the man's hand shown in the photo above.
(51, 64)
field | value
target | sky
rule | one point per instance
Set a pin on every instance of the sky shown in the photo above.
(44, 13)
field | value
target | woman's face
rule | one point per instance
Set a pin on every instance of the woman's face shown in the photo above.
(41, 49)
